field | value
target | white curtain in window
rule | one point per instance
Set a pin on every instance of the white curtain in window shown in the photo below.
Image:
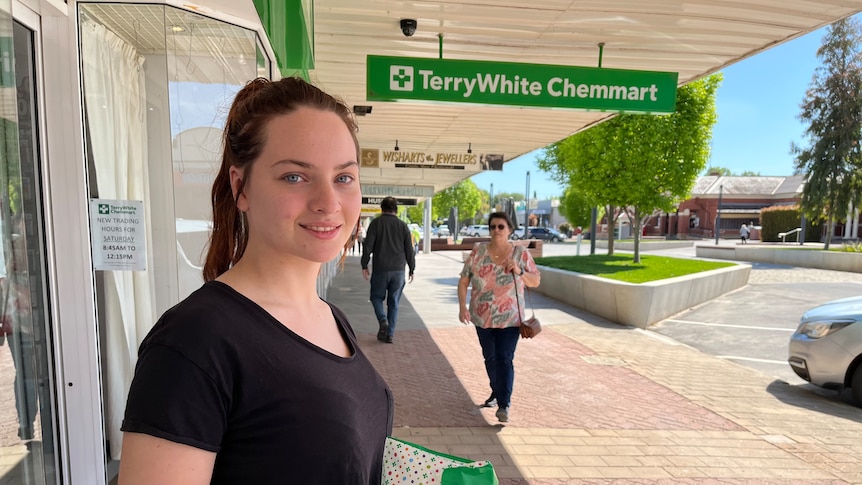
(114, 94)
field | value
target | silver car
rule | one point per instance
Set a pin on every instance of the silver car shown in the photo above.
(826, 349)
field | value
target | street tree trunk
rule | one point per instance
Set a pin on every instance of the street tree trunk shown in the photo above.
(636, 221)
(612, 222)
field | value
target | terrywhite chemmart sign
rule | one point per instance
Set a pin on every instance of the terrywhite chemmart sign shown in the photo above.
(515, 84)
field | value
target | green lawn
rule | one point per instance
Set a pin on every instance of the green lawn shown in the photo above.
(622, 267)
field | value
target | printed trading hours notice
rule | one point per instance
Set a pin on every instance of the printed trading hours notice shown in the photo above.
(118, 235)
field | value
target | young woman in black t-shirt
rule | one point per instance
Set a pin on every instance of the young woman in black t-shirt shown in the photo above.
(253, 378)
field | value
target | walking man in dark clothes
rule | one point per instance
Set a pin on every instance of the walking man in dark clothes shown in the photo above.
(388, 238)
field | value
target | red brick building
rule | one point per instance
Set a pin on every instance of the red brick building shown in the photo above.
(741, 200)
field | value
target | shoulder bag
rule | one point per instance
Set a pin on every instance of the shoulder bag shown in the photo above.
(531, 326)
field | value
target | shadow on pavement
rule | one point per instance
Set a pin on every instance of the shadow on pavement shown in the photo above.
(809, 396)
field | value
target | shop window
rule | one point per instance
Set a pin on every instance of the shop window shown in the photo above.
(158, 82)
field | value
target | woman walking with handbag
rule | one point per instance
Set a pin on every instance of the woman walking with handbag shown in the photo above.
(497, 272)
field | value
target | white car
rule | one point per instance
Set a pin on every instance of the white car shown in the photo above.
(477, 230)
(826, 349)
(518, 233)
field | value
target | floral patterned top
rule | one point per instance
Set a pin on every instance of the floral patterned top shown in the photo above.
(492, 297)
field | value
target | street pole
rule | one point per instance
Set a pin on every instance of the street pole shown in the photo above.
(527, 206)
(718, 214)
(594, 215)
(491, 203)
(801, 228)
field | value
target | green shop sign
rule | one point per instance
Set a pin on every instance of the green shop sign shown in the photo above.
(515, 84)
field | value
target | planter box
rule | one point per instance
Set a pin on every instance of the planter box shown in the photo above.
(640, 305)
(804, 258)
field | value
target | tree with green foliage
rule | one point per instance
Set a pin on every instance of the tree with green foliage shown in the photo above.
(498, 198)
(642, 162)
(416, 213)
(724, 171)
(717, 171)
(464, 195)
(831, 162)
(516, 196)
(577, 208)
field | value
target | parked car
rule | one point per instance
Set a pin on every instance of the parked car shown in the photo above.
(476, 230)
(545, 234)
(518, 233)
(826, 349)
(443, 230)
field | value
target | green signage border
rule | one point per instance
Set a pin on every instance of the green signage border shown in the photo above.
(517, 84)
(289, 25)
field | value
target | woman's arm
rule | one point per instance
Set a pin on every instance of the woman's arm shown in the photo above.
(527, 270)
(463, 310)
(531, 279)
(149, 460)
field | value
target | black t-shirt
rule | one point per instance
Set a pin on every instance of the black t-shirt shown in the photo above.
(219, 373)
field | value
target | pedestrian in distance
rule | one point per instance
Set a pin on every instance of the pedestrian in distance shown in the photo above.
(497, 271)
(360, 237)
(254, 378)
(388, 239)
(357, 238)
(354, 236)
(743, 233)
(415, 236)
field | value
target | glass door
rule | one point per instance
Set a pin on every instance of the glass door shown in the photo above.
(28, 445)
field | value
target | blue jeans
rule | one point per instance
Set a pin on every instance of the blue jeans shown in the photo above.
(498, 349)
(383, 283)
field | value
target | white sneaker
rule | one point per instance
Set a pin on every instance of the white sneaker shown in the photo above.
(503, 415)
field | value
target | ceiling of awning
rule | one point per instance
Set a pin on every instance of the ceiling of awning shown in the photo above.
(693, 38)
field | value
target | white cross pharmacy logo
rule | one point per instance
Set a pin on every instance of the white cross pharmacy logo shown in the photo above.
(401, 78)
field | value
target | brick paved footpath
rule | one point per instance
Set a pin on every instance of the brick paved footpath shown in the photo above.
(595, 402)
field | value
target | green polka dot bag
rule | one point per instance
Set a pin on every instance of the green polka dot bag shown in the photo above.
(406, 463)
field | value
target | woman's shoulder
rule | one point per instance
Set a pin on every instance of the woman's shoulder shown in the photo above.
(211, 312)
(479, 250)
(341, 319)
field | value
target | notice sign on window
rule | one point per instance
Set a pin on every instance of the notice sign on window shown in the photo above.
(118, 235)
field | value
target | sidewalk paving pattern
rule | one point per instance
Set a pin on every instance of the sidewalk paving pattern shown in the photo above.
(595, 402)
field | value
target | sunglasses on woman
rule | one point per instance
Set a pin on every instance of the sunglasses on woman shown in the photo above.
(498, 227)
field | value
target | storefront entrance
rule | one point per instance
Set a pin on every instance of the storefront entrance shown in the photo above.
(28, 444)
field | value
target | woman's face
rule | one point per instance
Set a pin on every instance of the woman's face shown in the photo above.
(303, 197)
(496, 232)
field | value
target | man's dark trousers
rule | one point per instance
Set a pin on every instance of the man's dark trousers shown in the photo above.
(387, 285)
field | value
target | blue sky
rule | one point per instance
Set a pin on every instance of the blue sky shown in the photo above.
(757, 103)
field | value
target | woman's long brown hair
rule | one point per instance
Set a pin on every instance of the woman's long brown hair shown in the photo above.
(244, 137)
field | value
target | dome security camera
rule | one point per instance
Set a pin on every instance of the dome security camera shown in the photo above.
(408, 27)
